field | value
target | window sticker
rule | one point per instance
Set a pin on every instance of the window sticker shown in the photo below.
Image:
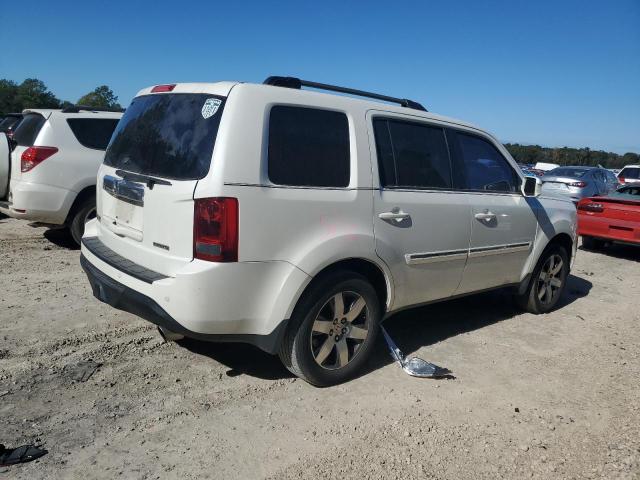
(210, 107)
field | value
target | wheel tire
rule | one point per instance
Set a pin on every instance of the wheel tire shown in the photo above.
(85, 212)
(296, 350)
(591, 243)
(530, 300)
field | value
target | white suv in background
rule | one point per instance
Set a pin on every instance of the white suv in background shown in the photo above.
(48, 170)
(297, 221)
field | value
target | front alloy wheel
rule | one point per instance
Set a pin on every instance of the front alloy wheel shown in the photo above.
(550, 280)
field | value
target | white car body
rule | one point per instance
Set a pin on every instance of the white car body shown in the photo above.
(141, 258)
(47, 192)
(627, 179)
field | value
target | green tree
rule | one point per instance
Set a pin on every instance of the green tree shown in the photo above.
(8, 94)
(33, 93)
(102, 97)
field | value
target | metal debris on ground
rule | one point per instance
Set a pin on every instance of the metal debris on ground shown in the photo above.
(25, 453)
(414, 366)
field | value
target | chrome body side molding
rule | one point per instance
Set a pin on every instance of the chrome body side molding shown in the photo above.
(451, 255)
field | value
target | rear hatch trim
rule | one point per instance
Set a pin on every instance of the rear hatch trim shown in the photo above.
(111, 258)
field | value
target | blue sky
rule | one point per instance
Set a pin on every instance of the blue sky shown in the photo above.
(555, 73)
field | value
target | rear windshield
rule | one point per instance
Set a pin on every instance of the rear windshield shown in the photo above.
(630, 173)
(167, 135)
(568, 172)
(27, 132)
(9, 123)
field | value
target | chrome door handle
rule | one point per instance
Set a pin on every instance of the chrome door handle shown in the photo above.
(485, 216)
(397, 216)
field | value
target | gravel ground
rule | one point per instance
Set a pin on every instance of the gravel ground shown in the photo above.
(552, 396)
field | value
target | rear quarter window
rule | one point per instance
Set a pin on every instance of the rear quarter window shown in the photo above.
(93, 133)
(27, 132)
(308, 147)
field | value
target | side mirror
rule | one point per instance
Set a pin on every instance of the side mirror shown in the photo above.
(531, 187)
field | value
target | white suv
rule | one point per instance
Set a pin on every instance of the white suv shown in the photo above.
(48, 171)
(297, 221)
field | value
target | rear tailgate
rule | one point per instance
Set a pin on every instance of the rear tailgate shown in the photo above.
(161, 148)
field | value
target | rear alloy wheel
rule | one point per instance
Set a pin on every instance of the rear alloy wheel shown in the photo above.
(548, 281)
(332, 330)
(82, 215)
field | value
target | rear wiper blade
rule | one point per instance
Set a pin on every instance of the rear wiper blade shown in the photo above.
(138, 177)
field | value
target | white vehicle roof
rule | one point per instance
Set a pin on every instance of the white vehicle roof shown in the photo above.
(46, 112)
(223, 88)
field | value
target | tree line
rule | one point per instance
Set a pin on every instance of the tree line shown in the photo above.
(570, 156)
(33, 93)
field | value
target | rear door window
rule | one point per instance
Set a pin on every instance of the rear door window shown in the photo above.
(308, 147)
(483, 166)
(167, 135)
(412, 155)
(93, 133)
(630, 172)
(27, 132)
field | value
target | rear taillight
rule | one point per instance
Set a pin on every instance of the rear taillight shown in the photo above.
(215, 229)
(163, 88)
(578, 184)
(621, 180)
(591, 207)
(33, 156)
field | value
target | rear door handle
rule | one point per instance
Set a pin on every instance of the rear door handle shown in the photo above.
(397, 216)
(485, 216)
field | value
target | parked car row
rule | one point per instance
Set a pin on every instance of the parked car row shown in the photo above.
(48, 166)
(293, 220)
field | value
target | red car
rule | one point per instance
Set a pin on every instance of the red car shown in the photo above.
(614, 218)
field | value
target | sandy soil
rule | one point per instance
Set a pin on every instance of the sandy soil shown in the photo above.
(553, 396)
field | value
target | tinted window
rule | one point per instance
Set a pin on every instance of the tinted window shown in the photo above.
(28, 130)
(308, 147)
(484, 167)
(386, 162)
(631, 172)
(167, 135)
(9, 123)
(92, 132)
(421, 155)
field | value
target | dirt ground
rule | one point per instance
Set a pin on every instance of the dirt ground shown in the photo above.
(552, 396)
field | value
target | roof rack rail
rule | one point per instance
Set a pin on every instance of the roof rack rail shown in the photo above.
(77, 108)
(293, 82)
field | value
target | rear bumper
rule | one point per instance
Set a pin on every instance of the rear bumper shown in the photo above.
(38, 202)
(233, 302)
(609, 229)
(119, 296)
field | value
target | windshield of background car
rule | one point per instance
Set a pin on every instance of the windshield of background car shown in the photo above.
(568, 172)
(167, 135)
